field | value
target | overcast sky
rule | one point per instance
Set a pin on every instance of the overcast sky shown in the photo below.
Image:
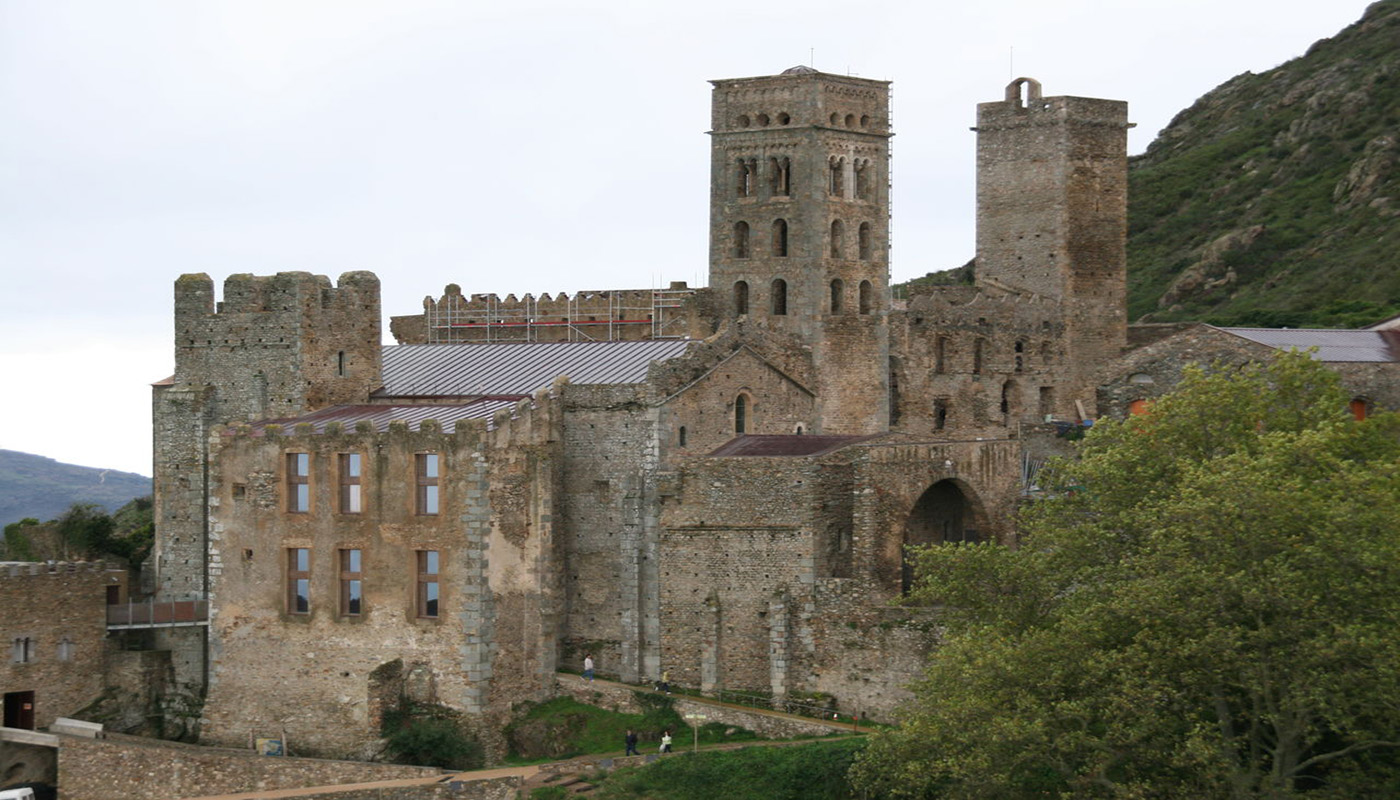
(508, 147)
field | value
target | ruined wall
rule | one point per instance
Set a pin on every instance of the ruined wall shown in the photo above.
(317, 673)
(53, 629)
(139, 769)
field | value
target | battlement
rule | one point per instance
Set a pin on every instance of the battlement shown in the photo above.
(28, 569)
(1024, 106)
(591, 315)
(284, 292)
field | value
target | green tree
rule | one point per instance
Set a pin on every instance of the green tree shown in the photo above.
(18, 547)
(1205, 608)
(86, 530)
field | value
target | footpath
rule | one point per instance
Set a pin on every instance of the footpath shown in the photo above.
(571, 774)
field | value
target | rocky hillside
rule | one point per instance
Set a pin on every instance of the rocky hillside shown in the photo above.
(41, 488)
(1275, 199)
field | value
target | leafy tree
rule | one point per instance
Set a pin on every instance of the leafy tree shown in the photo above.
(18, 547)
(1205, 608)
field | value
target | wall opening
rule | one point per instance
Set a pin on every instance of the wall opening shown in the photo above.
(836, 180)
(782, 176)
(837, 234)
(741, 298)
(1358, 407)
(741, 414)
(942, 515)
(741, 240)
(779, 297)
(838, 290)
(867, 297)
(864, 243)
(780, 237)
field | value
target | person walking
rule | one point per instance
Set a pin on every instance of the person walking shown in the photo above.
(666, 742)
(588, 667)
(631, 743)
(665, 681)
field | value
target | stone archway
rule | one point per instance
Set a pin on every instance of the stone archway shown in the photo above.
(945, 513)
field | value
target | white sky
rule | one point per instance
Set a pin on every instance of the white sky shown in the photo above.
(527, 146)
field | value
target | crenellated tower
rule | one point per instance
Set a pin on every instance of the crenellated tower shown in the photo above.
(1052, 189)
(799, 227)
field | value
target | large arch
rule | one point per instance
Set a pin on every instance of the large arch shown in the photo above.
(946, 513)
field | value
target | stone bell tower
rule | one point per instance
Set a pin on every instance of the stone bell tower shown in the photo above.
(799, 227)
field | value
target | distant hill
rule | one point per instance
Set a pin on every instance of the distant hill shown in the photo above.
(1275, 199)
(39, 487)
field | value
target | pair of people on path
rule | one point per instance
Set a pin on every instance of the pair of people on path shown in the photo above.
(631, 741)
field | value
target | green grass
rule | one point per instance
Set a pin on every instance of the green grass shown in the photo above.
(815, 771)
(564, 728)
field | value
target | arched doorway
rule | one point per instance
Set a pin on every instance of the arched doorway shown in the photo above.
(943, 515)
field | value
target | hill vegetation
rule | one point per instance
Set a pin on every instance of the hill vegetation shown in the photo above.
(41, 488)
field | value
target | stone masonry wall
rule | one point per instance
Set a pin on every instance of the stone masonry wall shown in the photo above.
(129, 768)
(46, 606)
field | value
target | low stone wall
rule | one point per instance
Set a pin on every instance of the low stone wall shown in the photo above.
(493, 789)
(767, 724)
(130, 768)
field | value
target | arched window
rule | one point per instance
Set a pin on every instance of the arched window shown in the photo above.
(741, 240)
(862, 175)
(838, 289)
(1008, 397)
(836, 184)
(838, 231)
(748, 177)
(779, 297)
(780, 237)
(741, 298)
(940, 414)
(741, 414)
(867, 297)
(782, 176)
(863, 241)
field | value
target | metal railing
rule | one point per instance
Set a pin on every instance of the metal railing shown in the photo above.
(162, 613)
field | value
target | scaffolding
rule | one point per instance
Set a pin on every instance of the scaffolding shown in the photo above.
(627, 316)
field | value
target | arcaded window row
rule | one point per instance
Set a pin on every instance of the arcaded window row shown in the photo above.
(855, 173)
(350, 581)
(778, 297)
(778, 241)
(835, 119)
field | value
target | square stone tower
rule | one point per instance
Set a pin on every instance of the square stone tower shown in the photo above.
(799, 227)
(1052, 193)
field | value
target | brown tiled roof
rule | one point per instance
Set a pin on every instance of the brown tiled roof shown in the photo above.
(380, 416)
(1332, 345)
(516, 368)
(793, 445)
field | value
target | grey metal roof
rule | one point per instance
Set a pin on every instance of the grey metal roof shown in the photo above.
(516, 369)
(1332, 345)
(380, 416)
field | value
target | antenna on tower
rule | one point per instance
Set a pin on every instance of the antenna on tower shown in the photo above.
(1011, 63)
(812, 57)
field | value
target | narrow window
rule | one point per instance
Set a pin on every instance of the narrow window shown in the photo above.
(837, 233)
(747, 173)
(340, 364)
(1045, 354)
(680, 436)
(867, 297)
(780, 237)
(836, 186)
(940, 355)
(298, 482)
(1007, 389)
(741, 298)
(22, 650)
(894, 391)
(862, 175)
(428, 584)
(66, 649)
(1047, 402)
(350, 494)
(863, 243)
(838, 290)
(779, 291)
(741, 414)
(977, 357)
(1358, 408)
(351, 585)
(940, 414)
(741, 240)
(427, 483)
(781, 176)
(298, 580)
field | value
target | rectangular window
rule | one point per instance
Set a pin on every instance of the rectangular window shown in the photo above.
(22, 651)
(298, 580)
(66, 649)
(428, 584)
(351, 586)
(350, 497)
(427, 483)
(298, 482)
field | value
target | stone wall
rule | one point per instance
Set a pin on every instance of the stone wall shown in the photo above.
(766, 724)
(128, 768)
(53, 629)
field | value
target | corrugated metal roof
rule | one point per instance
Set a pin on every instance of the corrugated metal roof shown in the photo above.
(1332, 345)
(785, 445)
(381, 416)
(461, 370)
